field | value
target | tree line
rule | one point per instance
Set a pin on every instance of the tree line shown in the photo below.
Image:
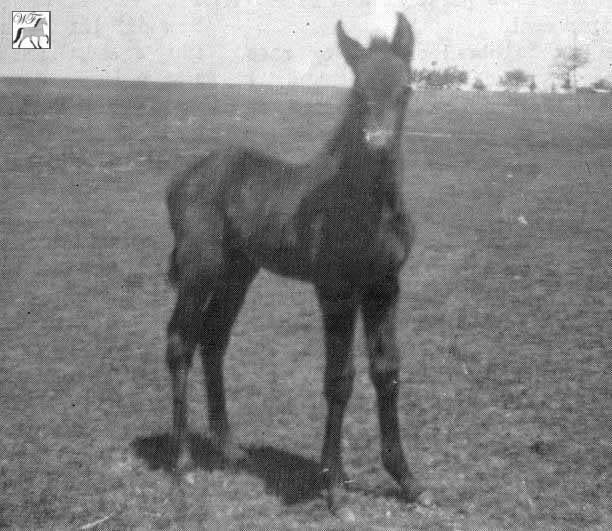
(566, 63)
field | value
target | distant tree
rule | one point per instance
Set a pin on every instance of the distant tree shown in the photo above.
(450, 77)
(456, 76)
(514, 79)
(532, 85)
(602, 84)
(566, 62)
(479, 85)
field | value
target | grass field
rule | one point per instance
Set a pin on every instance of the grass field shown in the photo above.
(506, 319)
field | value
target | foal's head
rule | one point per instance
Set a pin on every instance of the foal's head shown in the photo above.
(382, 82)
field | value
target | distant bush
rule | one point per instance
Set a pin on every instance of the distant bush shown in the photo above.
(479, 85)
(514, 79)
(450, 77)
(602, 85)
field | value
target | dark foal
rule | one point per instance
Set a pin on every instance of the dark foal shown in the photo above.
(337, 221)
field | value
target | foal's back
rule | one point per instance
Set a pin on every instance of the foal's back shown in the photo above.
(240, 200)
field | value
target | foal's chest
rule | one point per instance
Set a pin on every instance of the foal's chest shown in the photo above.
(392, 242)
(369, 242)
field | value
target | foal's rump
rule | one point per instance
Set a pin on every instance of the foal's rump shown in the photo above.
(197, 221)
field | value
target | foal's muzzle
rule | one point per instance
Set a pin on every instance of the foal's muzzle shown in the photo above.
(377, 138)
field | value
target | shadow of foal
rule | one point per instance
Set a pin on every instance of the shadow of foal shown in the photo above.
(294, 479)
(337, 221)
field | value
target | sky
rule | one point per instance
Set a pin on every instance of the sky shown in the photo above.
(294, 42)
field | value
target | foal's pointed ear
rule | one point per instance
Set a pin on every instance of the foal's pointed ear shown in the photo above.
(350, 48)
(403, 40)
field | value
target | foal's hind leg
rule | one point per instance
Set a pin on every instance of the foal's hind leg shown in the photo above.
(379, 312)
(182, 339)
(219, 317)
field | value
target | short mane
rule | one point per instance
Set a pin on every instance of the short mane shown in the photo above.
(379, 43)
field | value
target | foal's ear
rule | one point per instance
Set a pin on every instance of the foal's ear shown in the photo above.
(403, 40)
(350, 48)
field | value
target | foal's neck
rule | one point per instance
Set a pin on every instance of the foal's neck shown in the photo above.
(358, 163)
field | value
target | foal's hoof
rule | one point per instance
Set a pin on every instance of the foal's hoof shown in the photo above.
(346, 515)
(419, 496)
(339, 509)
(416, 493)
(183, 467)
(425, 499)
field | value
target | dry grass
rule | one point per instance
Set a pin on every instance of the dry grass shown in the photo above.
(505, 325)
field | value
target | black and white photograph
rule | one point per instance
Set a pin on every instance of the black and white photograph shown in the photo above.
(306, 265)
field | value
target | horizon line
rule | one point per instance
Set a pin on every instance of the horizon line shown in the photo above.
(490, 88)
(181, 82)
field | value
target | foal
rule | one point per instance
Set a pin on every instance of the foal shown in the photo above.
(337, 221)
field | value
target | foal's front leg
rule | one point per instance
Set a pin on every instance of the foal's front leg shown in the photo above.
(379, 314)
(338, 323)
